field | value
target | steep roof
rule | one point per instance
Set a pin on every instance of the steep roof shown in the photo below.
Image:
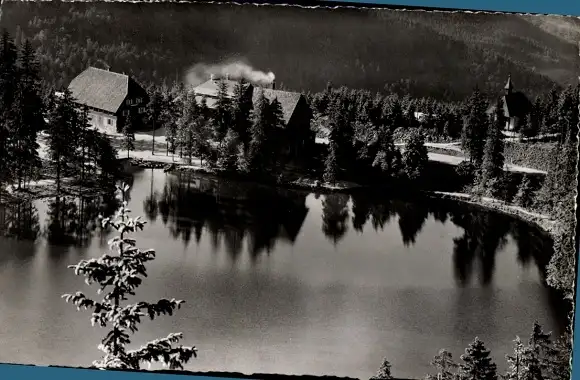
(516, 104)
(101, 89)
(210, 88)
(288, 100)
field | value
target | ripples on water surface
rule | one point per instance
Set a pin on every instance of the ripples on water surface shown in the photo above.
(283, 281)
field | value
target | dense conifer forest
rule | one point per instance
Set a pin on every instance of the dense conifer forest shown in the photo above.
(444, 56)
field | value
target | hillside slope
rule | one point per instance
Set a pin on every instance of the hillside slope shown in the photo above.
(423, 53)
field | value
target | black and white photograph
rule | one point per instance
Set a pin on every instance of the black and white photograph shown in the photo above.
(229, 188)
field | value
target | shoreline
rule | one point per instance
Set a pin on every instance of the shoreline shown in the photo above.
(541, 221)
(42, 189)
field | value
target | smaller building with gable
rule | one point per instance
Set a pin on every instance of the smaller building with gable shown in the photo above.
(109, 96)
(516, 107)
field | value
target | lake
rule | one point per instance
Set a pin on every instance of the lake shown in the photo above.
(279, 281)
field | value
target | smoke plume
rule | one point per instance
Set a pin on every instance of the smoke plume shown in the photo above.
(236, 70)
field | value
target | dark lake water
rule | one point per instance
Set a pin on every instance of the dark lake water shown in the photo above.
(285, 282)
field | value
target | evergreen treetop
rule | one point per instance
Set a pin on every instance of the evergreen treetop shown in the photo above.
(117, 276)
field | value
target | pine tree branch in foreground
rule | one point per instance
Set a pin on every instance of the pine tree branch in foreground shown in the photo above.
(118, 276)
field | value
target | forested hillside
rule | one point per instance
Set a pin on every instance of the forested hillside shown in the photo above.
(441, 55)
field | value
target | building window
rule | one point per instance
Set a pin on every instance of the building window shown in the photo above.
(141, 109)
(139, 100)
(128, 102)
(109, 121)
(126, 113)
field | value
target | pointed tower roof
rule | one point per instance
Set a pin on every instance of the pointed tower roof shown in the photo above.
(509, 85)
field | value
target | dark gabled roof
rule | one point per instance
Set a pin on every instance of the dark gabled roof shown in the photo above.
(515, 104)
(288, 100)
(100, 89)
(210, 88)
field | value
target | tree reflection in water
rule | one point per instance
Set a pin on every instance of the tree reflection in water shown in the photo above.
(484, 234)
(72, 221)
(19, 220)
(335, 216)
(242, 217)
(230, 213)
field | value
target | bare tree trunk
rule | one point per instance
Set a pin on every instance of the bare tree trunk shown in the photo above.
(153, 144)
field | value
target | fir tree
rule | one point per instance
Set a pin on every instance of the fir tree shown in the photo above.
(475, 128)
(128, 142)
(341, 134)
(223, 111)
(105, 156)
(493, 159)
(28, 118)
(118, 275)
(525, 194)
(446, 367)
(560, 363)
(477, 363)
(516, 367)
(384, 371)
(155, 114)
(83, 146)
(331, 170)
(228, 152)
(567, 120)
(392, 114)
(260, 157)
(537, 355)
(550, 112)
(241, 110)
(388, 157)
(532, 123)
(62, 119)
(186, 128)
(8, 90)
(276, 144)
(415, 156)
(169, 116)
(322, 102)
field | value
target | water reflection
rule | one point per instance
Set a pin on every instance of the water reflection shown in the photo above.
(19, 220)
(230, 212)
(369, 268)
(235, 216)
(335, 216)
(66, 220)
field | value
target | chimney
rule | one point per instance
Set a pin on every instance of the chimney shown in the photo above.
(273, 85)
(212, 77)
(227, 76)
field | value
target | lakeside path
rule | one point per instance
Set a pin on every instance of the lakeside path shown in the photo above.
(162, 157)
(454, 160)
